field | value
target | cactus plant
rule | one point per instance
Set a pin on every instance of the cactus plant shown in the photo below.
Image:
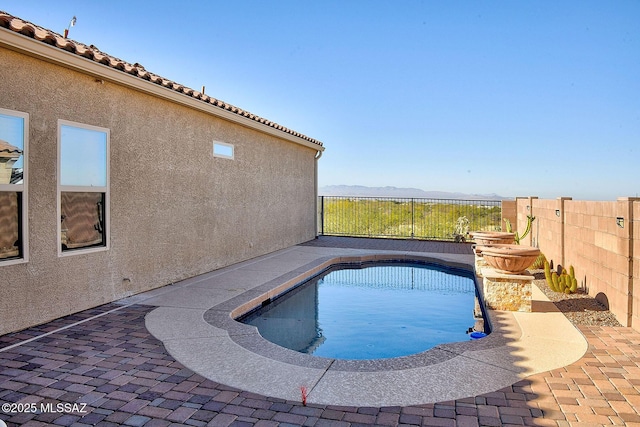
(555, 282)
(517, 237)
(539, 262)
(547, 274)
(564, 282)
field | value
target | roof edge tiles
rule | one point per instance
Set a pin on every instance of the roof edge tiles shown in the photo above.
(5, 147)
(124, 72)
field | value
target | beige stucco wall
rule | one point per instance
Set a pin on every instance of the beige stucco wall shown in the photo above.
(176, 211)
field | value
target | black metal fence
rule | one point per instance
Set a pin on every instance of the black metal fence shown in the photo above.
(435, 219)
(404, 277)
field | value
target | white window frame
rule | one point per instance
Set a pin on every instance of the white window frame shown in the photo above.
(223, 145)
(21, 188)
(83, 189)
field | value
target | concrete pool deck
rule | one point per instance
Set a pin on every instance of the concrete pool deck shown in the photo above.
(194, 321)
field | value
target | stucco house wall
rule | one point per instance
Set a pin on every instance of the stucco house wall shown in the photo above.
(176, 211)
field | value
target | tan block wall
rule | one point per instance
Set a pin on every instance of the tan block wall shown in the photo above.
(176, 211)
(547, 229)
(510, 212)
(524, 208)
(598, 250)
(635, 247)
(606, 257)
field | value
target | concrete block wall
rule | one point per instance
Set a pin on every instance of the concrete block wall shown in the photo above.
(527, 206)
(601, 239)
(635, 247)
(599, 250)
(547, 228)
(509, 211)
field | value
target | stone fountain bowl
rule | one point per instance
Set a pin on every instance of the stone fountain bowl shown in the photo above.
(509, 259)
(483, 238)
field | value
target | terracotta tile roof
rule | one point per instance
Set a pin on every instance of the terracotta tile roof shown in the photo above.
(92, 53)
(5, 147)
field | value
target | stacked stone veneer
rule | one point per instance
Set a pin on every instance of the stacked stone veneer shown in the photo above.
(480, 263)
(506, 292)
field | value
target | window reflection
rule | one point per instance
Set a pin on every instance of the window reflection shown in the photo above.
(83, 186)
(83, 157)
(222, 149)
(10, 246)
(11, 149)
(82, 216)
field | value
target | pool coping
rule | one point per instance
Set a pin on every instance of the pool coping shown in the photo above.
(224, 316)
(194, 320)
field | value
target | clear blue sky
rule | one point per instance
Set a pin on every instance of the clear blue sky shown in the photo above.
(536, 98)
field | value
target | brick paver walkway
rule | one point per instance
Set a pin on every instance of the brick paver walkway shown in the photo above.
(124, 376)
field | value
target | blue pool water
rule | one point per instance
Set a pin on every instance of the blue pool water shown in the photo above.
(378, 311)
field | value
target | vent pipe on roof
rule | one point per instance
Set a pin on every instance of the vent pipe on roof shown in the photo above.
(202, 89)
(71, 24)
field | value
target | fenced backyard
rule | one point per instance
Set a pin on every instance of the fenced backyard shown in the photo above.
(410, 218)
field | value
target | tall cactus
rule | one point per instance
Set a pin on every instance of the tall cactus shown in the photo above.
(547, 275)
(574, 284)
(555, 282)
(518, 237)
(564, 282)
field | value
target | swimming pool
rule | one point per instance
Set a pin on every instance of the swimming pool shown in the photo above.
(373, 310)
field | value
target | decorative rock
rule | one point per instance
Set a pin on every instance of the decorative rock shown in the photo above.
(480, 263)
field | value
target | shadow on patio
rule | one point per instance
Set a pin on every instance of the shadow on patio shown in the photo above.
(105, 358)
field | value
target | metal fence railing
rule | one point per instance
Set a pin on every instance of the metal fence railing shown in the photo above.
(436, 219)
(402, 277)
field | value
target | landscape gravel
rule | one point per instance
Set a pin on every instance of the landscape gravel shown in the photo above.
(580, 308)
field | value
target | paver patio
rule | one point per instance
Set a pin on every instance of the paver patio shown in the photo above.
(111, 363)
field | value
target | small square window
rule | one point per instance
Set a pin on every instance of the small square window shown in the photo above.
(222, 149)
